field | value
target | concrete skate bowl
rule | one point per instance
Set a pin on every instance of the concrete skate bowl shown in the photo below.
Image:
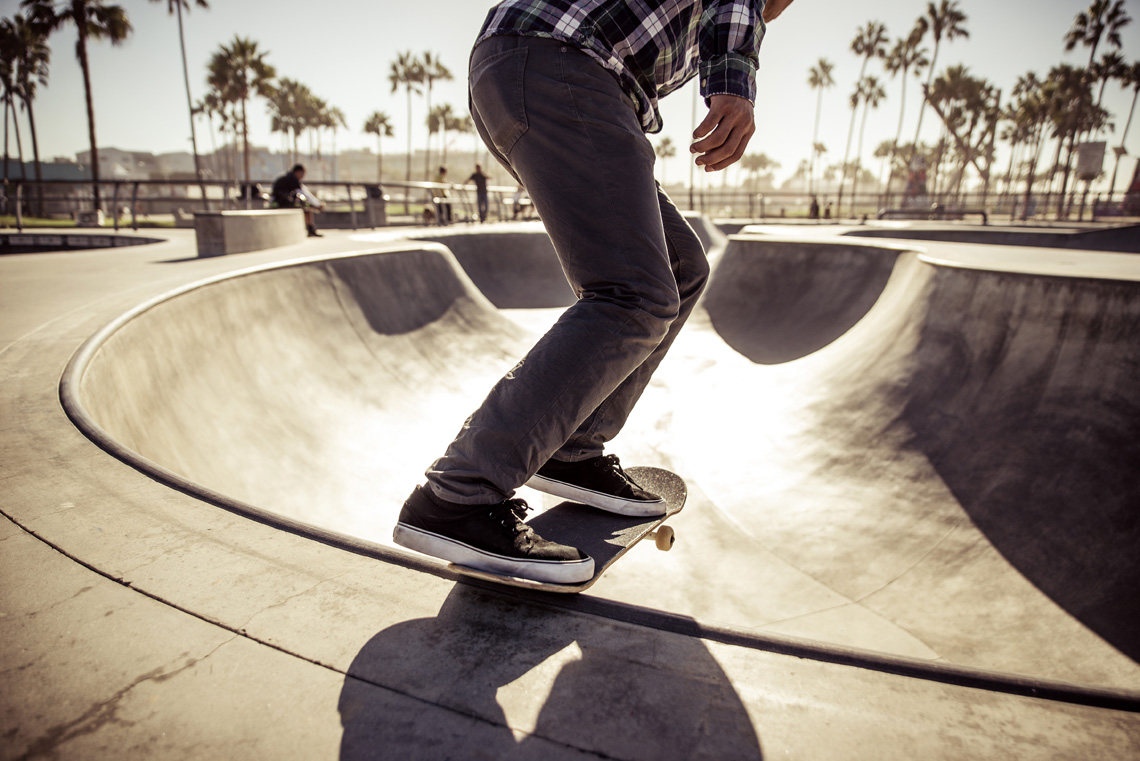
(947, 481)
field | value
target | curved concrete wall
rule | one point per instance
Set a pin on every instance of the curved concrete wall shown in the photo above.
(778, 300)
(950, 475)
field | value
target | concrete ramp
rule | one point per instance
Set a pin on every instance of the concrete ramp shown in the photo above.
(885, 451)
(1123, 239)
(787, 299)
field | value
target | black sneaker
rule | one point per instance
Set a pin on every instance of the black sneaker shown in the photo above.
(599, 482)
(491, 538)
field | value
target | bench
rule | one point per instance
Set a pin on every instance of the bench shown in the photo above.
(233, 232)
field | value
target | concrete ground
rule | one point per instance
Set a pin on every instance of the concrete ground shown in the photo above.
(911, 532)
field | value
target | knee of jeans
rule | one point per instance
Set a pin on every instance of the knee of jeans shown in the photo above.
(663, 307)
(693, 277)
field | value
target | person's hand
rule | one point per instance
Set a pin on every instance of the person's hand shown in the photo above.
(774, 8)
(721, 139)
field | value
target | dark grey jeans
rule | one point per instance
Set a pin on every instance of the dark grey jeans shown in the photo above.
(560, 122)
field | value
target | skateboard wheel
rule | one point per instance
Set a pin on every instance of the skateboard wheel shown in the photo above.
(664, 537)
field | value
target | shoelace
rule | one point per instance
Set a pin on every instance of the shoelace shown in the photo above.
(510, 513)
(610, 463)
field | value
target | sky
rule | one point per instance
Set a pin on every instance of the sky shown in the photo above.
(343, 49)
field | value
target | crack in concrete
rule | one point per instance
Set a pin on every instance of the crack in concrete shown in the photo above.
(290, 598)
(106, 712)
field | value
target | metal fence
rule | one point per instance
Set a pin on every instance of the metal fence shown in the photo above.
(355, 205)
(1006, 208)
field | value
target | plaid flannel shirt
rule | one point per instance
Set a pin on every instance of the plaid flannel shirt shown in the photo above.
(653, 46)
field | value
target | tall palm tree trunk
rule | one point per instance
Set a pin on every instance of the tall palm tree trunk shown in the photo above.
(847, 150)
(19, 142)
(1123, 137)
(408, 175)
(814, 141)
(427, 153)
(922, 108)
(190, 108)
(859, 156)
(7, 108)
(898, 135)
(36, 158)
(81, 47)
(245, 140)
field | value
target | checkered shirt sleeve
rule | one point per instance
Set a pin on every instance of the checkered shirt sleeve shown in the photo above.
(653, 46)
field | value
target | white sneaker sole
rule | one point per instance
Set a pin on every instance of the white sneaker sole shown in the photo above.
(550, 571)
(597, 499)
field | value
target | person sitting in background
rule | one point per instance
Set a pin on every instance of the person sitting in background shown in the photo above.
(289, 193)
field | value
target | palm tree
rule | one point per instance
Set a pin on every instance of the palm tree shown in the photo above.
(870, 42)
(95, 20)
(335, 120)
(380, 125)
(1131, 78)
(8, 68)
(944, 20)
(407, 70)
(175, 8)
(31, 56)
(665, 150)
(907, 53)
(758, 164)
(1110, 66)
(288, 107)
(242, 73)
(433, 69)
(1018, 131)
(885, 152)
(819, 78)
(316, 119)
(441, 119)
(872, 94)
(1102, 20)
(209, 105)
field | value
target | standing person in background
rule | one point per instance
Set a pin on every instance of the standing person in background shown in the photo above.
(442, 199)
(479, 178)
(563, 93)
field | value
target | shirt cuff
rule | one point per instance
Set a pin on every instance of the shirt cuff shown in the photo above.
(730, 74)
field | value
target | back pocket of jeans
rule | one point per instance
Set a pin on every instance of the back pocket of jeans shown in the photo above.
(497, 94)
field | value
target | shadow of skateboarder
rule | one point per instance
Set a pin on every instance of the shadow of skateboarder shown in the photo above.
(495, 677)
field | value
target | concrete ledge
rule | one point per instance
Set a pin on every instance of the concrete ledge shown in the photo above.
(235, 232)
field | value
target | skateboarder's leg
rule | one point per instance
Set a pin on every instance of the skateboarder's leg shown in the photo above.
(570, 133)
(565, 128)
(578, 470)
(691, 270)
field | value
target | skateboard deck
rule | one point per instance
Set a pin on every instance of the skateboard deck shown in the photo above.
(603, 536)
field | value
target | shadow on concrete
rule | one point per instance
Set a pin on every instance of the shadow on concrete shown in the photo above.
(1030, 411)
(776, 301)
(498, 678)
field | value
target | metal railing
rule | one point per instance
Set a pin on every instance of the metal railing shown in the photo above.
(162, 202)
(355, 205)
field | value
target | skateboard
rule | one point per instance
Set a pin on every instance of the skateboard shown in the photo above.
(307, 198)
(602, 535)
